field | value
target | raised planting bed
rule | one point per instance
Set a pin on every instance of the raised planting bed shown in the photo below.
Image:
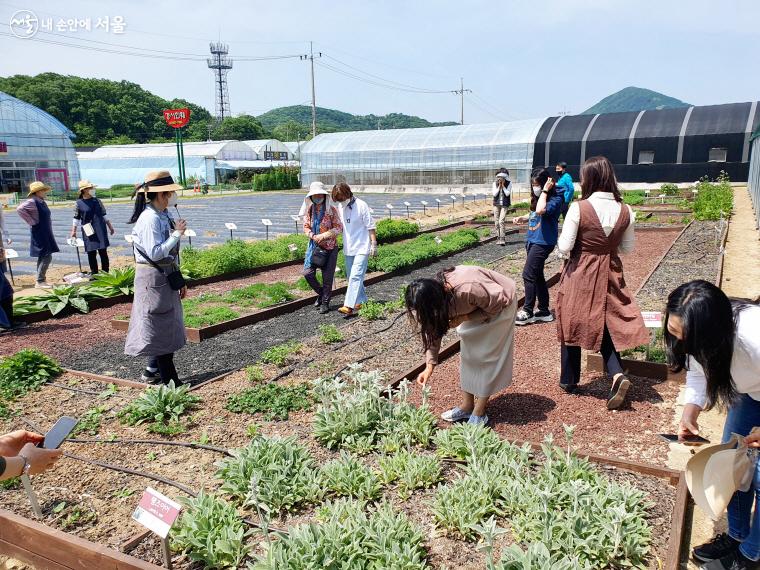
(397, 259)
(426, 490)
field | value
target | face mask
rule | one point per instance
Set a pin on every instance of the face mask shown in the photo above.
(172, 200)
(317, 200)
(536, 191)
(92, 192)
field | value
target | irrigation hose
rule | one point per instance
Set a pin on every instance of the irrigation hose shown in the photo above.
(188, 444)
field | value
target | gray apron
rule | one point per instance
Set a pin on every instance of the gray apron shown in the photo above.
(156, 325)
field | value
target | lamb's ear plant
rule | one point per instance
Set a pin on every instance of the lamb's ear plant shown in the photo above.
(347, 476)
(212, 532)
(410, 471)
(161, 406)
(536, 557)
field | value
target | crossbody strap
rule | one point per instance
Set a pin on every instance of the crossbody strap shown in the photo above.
(148, 259)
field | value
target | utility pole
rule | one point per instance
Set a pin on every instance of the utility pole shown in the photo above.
(461, 91)
(310, 57)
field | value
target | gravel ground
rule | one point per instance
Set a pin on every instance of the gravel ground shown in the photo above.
(695, 255)
(234, 349)
(535, 405)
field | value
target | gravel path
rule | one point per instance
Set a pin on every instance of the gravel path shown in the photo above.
(695, 255)
(535, 405)
(241, 347)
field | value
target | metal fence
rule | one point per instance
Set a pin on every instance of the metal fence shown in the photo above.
(753, 182)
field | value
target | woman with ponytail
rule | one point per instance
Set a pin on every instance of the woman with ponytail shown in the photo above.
(156, 325)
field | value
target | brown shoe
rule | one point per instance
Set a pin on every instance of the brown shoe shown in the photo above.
(346, 310)
(357, 307)
(618, 392)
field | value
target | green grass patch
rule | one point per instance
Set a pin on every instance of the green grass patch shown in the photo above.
(329, 334)
(278, 355)
(211, 308)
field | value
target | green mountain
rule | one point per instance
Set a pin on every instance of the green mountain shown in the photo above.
(634, 99)
(287, 122)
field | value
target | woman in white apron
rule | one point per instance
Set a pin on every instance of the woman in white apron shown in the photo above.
(480, 303)
(156, 325)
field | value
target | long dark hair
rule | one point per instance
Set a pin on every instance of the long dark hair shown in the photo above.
(539, 176)
(141, 200)
(598, 175)
(427, 306)
(708, 320)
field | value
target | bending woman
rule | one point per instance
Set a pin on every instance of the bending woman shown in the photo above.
(90, 215)
(595, 310)
(480, 304)
(717, 341)
(156, 325)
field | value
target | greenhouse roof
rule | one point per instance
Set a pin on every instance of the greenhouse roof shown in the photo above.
(214, 149)
(21, 118)
(271, 144)
(488, 134)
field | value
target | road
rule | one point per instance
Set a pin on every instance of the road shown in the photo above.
(207, 217)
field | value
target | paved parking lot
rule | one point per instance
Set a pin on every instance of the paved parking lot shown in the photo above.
(207, 217)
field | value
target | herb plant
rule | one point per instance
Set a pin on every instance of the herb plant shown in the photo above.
(162, 407)
(25, 371)
(274, 400)
(349, 477)
(330, 334)
(278, 355)
(410, 471)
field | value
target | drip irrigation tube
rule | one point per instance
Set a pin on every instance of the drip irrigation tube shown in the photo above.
(82, 391)
(188, 444)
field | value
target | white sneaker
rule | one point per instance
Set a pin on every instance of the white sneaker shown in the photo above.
(43, 285)
(523, 317)
(455, 415)
(478, 419)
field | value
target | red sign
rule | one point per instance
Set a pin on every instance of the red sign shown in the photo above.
(156, 512)
(177, 118)
(3, 147)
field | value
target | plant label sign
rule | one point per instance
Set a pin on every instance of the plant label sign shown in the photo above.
(423, 202)
(294, 217)
(652, 319)
(292, 247)
(11, 253)
(266, 221)
(389, 206)
(129, 238)
(156, 512)
(407, 204)
(230, 226)
(190, 233)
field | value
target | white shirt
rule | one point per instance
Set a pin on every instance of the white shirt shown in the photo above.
(357, 221)
(151, 232)
(745, 362)
(607, 210)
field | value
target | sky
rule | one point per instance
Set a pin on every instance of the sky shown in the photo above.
(521, 59)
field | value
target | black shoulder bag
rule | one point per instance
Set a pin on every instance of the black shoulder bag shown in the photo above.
(175, 279)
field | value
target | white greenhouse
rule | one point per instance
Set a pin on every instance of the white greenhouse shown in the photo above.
(455, 156)
(128, 163)
(34, 146)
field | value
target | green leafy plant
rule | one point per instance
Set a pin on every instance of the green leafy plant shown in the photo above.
(715, 200)
(536, 557)
(55, 301)
(347, 476)
(410, 470)
(330, 334)
(372, 310)
(117, 281)
(210, 531)
(285, 473)
(162, 407)
(391, 230)
(76, 516)
(397, 256)
(278, 355)
(89, 422)
(198, 315)
(274, 400)
(380, 538)
(669, 189)
(25, 371)
(255, 373)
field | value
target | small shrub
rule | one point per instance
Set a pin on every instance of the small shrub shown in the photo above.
(282, 470)
(117, 281)
(390, 230)
(411, 470)
(349, 477)
(278, 355)
(714, 199)
(255, 373)
(25, 371)
(160, 406)
(274, 400)
(329, 334)
(211, 531)
(372, 310)
(669, 189)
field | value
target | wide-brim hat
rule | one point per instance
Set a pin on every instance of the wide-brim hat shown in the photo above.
(85, 185)
(160, 181)
(714, 474)
(316, 188)
(38, 186)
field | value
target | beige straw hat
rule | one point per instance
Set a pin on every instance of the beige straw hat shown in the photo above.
(85, 185)
(159, 181)
(38, 186)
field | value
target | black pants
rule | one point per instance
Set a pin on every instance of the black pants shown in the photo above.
(165, 365)
(7, 306)
(571, 360)
(92, 258)
(565, 208)
(533, 276)
(328, 274)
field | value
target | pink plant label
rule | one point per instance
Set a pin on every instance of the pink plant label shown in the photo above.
(156, 512)
(652, 319)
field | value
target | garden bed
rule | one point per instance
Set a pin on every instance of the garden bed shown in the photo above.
(110, 497)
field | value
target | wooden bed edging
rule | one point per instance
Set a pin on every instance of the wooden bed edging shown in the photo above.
(196, 335)
(49, 548)
(106, 379)
(722, 254)
(643, 368)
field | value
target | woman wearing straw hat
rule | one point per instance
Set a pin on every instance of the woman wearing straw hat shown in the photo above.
(36, 214)
(321, 223)
(156, 325)
(90, 215)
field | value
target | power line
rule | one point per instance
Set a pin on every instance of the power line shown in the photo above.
(377, 83)
(386, 80)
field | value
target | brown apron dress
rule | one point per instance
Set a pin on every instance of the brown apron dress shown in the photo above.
(592, 289)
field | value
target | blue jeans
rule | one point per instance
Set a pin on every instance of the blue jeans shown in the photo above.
(743, 525)
(356, 267)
